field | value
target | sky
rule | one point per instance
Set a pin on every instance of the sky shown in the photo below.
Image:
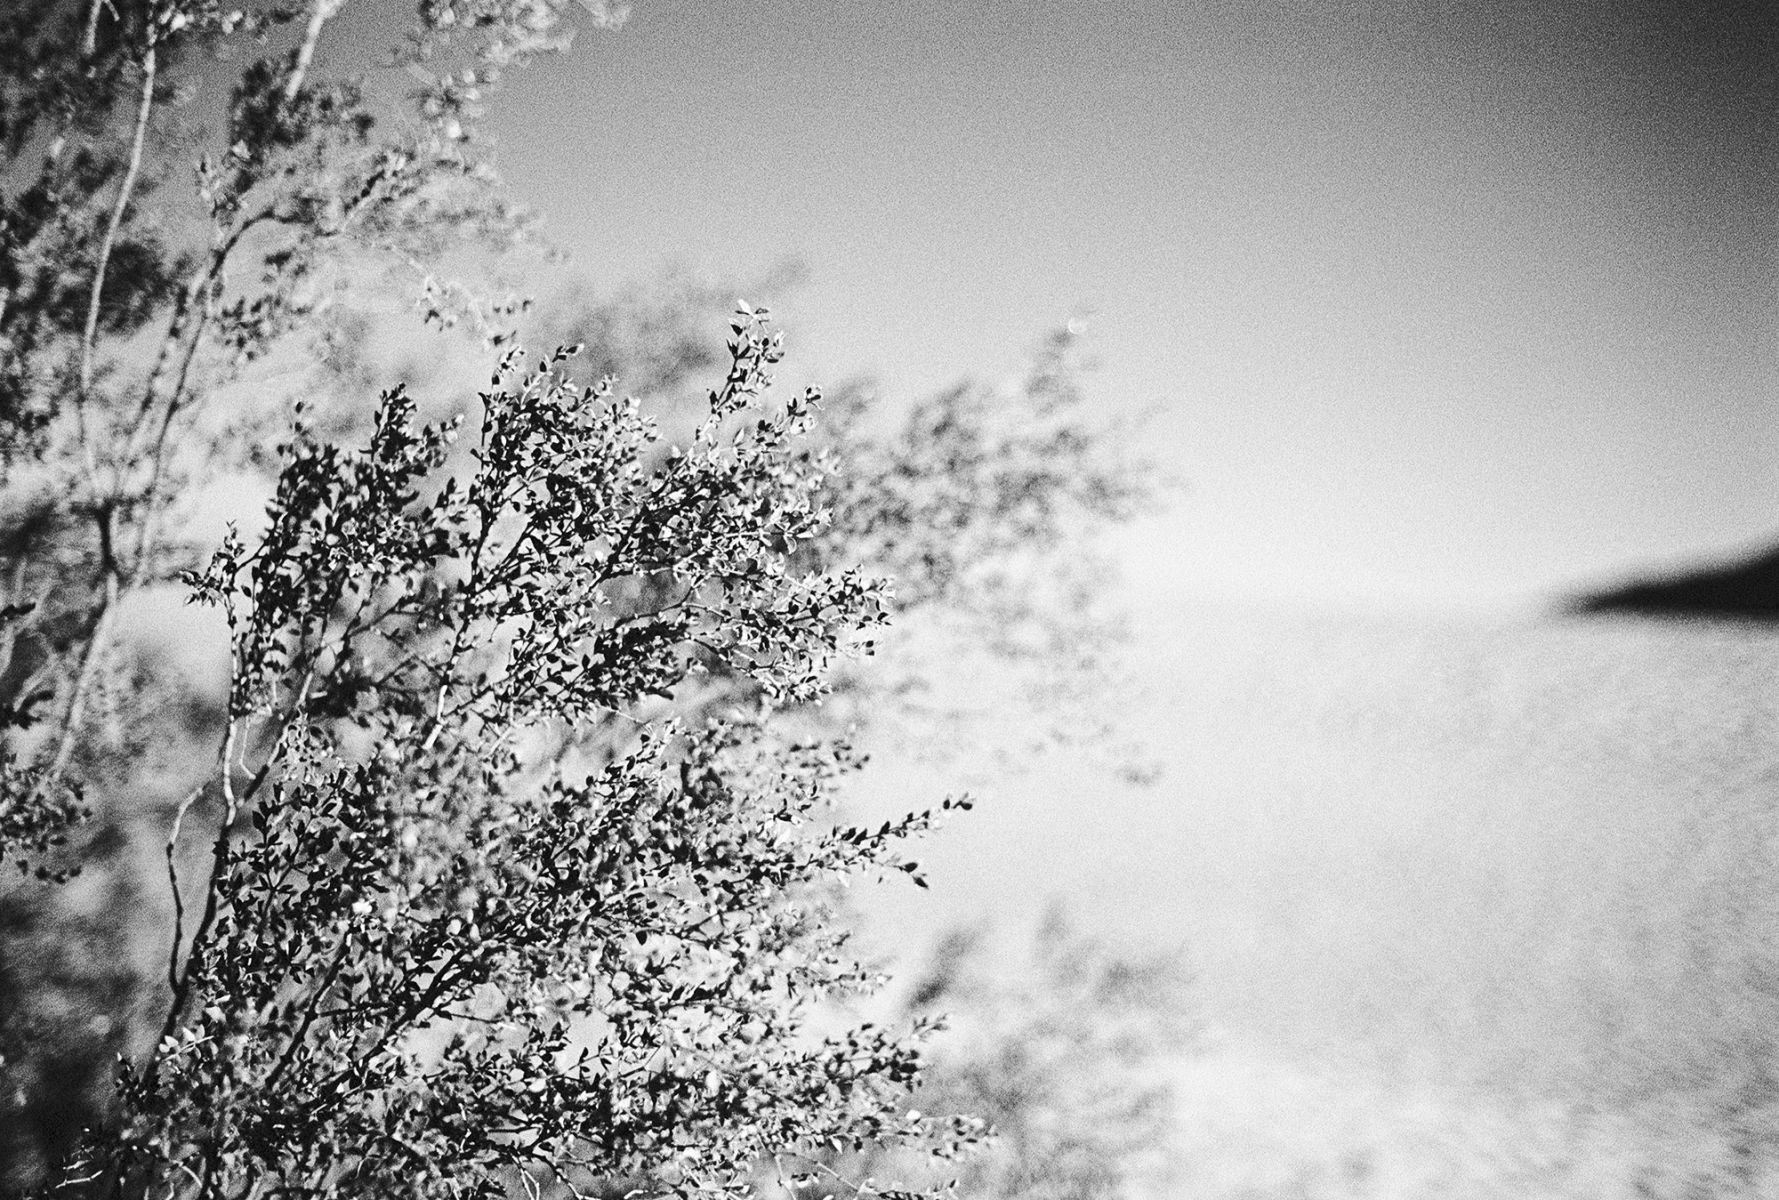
(1447, 305)
(1444, 308)
(1438, 307)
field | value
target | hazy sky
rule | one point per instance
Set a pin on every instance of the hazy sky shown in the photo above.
(1439, 302)
(1441, 305)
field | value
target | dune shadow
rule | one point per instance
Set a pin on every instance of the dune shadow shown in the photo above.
(1745, 589)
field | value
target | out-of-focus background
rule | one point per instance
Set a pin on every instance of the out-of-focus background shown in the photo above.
(1437, 304)
(1407, 848)
(1472, 905)
(1444, 316)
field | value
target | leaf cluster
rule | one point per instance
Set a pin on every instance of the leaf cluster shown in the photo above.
(510, 872)
(157, 242)
(448, 953)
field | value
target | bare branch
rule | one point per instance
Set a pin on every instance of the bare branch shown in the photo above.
(233, 799)
(125, 192)
(89, 39)
(173, 886)
(319, 14)
(310, 1011)
(85, 674)
(181, 980)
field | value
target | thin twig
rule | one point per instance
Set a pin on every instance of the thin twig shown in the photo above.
(125, 191)
(218, 860)
(310, 1011)
(9, 630)
(202, 285)
(233, 800)
(84, 677)
(89, 40)
(173, 885)
(319, 15)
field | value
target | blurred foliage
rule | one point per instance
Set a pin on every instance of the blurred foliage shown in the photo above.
(297, 871)
(1068, 1045)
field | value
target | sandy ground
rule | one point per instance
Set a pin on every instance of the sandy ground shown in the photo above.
(1477, 906)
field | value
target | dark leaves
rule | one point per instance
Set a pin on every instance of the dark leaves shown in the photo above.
(501, 909)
